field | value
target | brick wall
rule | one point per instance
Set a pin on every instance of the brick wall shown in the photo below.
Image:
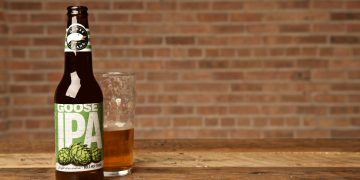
(205, 69)
(3, 72)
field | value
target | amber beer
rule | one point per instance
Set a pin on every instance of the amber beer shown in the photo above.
(118, 152)
(78, 106)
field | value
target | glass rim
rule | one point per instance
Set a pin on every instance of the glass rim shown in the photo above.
(114, 73)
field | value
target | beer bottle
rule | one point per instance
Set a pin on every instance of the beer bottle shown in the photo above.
(78, 106)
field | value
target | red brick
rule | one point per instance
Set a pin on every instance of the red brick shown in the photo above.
(29, 77)
(146, 122)
(212, 17)
(298, 4)
(227, 122)
(330, 98)
(297, 16)
(98, 5)
(243, 110)
(227, 5)
(276, 122)
(246, 40)
(146, 17)
(147, 87)
(211, 122)
(27, 29)
(24, 5)
(344, 16)
(212, 53)
(278, 134)
(295, 28)
(178, 40)
(354, 4)
(246, 17)
(278, 110)
(16, 17)
(161, 5)
(229, 29)
(315, 110)
(260, 122)
(206, 110)
(212, 41)
(193, 76)
(128, 5)
(194, 5)
(294, 98)
(278, 64)
(213, 64)
(162, 76)
(316, 133)
(312, 39)
(326, 75)
(213, 133)
(267, 28)
(327, 4)
(194, 29)
(180, 65)
(194, 98)
(162, 99)
(353, 27)
(345, 87)
(329, 28)
(312, 63)
(228, 76)
(345, 110)
(147, 40)
(245, 134)
(252, 87)
(344, 39)
(46, 18)
(187, 122)
(146, 110)
(243, 122)
(26, 100)
(177, 110)
(254, 5)
(345, 133)
(112, 17)
(179, 87)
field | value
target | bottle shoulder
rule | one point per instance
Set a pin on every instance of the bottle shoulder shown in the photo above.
(78, 92)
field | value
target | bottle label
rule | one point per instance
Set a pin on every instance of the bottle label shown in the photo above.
(78, 137)
(77, 39)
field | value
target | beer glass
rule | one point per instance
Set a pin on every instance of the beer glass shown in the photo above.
(119, 110)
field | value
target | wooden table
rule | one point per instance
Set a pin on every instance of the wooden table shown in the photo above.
(204, 159)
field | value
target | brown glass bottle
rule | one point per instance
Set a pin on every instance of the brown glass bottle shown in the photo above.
(79, 88)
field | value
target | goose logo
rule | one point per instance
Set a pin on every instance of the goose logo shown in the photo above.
(77, 38)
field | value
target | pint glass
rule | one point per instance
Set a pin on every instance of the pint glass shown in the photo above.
(119, 111)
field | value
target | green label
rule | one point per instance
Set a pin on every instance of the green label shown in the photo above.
(78, 137)
(77, 38)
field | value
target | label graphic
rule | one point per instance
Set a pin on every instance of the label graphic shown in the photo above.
(77, 38)
(78, 137)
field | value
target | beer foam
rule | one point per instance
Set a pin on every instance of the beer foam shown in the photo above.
(118, 126)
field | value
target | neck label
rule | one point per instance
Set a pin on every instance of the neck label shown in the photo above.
(77, 38)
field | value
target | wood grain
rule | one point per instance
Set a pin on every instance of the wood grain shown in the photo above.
(237, 173)
(204, 159)
(44, 144)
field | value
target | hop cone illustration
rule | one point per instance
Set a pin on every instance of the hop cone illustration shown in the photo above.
(64, 156)
(80, 154)
(95, 155)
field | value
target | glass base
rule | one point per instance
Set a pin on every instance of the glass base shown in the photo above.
(117, 173)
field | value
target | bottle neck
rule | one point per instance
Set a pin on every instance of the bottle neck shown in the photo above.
(78, 57)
